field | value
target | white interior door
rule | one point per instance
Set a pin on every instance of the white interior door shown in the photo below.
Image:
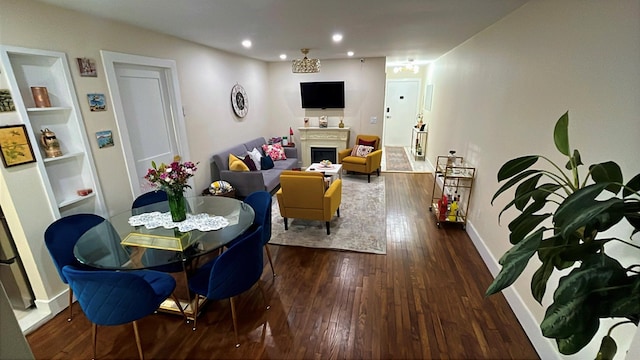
(149, 124)
(401, 111)
(145, 100)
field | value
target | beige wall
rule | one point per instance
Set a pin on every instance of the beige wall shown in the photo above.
(205, 78)
(498, 96)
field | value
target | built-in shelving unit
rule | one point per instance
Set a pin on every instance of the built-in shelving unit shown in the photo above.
(64, 175)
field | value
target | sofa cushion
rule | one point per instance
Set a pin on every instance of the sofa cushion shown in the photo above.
(266, 163)
(275, 151)
(255, 143)
(361, 150)
(371, 143)
(236, 164)
(249, 162)
(256, 155)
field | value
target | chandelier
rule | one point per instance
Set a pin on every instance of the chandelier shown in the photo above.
(410, 67)
(305, 65)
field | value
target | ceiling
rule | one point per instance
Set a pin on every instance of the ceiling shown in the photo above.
(421, 30)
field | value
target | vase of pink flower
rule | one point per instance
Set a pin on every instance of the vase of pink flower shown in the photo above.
(172, 178)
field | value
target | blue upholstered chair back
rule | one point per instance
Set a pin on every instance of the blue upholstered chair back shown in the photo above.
(118, 297)
(152, 197)
(261, 201)
(238, 268)
(63, 234)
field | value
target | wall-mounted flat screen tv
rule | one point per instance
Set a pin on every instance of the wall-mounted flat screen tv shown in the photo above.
(322, 95)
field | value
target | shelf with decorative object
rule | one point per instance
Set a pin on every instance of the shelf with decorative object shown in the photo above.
(451, 192)
(418, 144)
(46, 101)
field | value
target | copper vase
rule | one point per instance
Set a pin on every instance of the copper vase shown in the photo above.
(40, 96)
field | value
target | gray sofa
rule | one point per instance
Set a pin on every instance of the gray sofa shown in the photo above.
(246, 182)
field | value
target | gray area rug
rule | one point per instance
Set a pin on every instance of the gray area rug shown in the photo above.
(361, 226)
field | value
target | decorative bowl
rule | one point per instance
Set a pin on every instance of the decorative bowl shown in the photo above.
(325, 163)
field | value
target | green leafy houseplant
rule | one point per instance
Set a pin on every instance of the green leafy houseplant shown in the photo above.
(598, 286)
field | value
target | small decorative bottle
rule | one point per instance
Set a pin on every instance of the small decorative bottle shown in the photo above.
(341, 125)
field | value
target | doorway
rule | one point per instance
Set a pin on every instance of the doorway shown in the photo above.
(148, 113)
(401, 111)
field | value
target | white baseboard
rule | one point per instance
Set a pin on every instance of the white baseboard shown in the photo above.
(545, 347)
(44, 311)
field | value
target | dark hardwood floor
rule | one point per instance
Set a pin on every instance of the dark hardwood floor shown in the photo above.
(422, 300)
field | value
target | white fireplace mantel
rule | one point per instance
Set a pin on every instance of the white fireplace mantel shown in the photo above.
(329, 137)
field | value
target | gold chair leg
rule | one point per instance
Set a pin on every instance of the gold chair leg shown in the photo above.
(135, 331)
(235, 322)
(270, 261)
(94, 331)
(195, 313)
(70, 304)
(264, 295)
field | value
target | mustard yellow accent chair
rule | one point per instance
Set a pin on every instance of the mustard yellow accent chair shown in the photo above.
(302, 195)
(362, 164)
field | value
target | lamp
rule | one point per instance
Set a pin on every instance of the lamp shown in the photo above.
(409, 66)
(305, 65)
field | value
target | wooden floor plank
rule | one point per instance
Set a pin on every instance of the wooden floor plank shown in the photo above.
(424, 299)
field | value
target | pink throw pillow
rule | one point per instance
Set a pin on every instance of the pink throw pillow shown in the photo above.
(275, 151)
(361, 150)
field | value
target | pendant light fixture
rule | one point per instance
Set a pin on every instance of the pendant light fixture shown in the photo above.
(305, 65)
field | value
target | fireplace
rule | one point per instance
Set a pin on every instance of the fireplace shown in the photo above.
(324, 153)
(323, 141)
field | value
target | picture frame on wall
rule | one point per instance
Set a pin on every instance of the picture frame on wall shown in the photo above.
(104, 138)
(97, 102)
(87, 67)
(6, 101)
(15, 147)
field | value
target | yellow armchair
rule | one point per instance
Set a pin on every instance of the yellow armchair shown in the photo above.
(302, 195)
(366, 164)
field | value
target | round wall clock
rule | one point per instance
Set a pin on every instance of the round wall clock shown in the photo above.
(239, 100)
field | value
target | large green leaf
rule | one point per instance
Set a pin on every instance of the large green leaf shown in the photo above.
(524, 191)
(539, 281)
(623, 302)
(589, 213)
(514, 261)
(515, 166)
(608, 348)
(561, 134)
(574, 161)
(579, 339)
(530, 210)
(543, 191)
(572, 209)
(538, 194)
(563, 319)
(506, 186)
(526, 226)
(607, 172)
(632, 186)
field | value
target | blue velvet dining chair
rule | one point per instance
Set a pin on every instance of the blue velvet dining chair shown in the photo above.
(120, 297)
(231, 273)
(261, 201)
(61, 236)
(157, 198)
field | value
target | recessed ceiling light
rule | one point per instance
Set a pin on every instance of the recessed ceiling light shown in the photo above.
(283, 56)
(349, 53)
(246, 43)
(337, 37)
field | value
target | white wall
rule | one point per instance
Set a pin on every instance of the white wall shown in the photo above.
(206, 77)
(498, 96)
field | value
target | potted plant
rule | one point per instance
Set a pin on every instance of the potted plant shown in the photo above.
(560, 218)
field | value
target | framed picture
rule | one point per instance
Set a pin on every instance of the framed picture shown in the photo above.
(87, 67)
(105, 138)
(6, 102)
(96, 102)
(15, 147)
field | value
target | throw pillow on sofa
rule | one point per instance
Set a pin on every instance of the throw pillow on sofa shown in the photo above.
(266, 163)
(275, 151)
(371, 143)
(236, 164)
(256, 155)
(249, 162)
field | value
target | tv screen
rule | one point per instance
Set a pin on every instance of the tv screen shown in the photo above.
(322, 95)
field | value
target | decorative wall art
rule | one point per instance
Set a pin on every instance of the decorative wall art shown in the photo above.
(87, 67)
(105, 138)
(6, 102)
(15, 147)
(97, 102)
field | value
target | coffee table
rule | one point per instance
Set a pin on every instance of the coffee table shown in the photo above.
(332, 171)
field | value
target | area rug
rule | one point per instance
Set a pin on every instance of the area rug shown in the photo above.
(361, 226)
(396, 159)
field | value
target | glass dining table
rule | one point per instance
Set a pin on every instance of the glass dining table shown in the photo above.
(143, 238)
